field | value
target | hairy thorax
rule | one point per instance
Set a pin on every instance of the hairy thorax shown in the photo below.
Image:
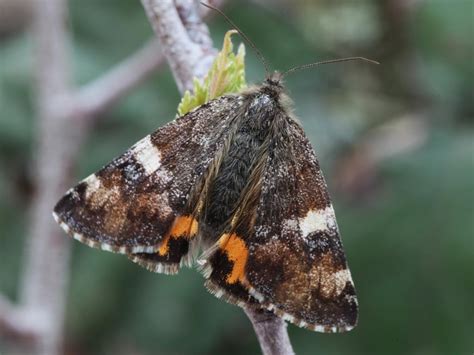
(239, 169)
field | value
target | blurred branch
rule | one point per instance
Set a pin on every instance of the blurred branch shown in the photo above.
(17, 323)
(100, 94)
(189, 52)
(357, 171)
(44, 282)
(396, 49)
(64, 117)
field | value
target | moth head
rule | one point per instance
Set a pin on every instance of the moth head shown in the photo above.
(274, 82)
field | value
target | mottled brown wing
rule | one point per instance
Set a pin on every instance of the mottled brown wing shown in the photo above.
(139, 203)
(291, 260)
(296, 264)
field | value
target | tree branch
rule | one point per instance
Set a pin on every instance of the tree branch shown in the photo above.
(47, 255)
(17, 323)
(189, 52)
(271, 332)
(188, 55)
(99, 95)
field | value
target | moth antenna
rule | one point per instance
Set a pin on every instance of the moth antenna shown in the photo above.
(310, 65)
(243, 35)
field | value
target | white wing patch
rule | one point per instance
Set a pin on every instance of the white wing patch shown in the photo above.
(147, 154)
(341, 277)
(93, 185)
(317, 220)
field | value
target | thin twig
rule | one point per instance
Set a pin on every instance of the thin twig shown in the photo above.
(187, 58)
(271, 332)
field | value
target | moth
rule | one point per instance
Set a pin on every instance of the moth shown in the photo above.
(238, 181)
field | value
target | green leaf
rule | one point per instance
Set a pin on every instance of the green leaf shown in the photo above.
(227, 75)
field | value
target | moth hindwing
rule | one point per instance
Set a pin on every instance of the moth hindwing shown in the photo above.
(239, 178)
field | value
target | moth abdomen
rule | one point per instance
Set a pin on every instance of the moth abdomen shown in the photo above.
(234, 172)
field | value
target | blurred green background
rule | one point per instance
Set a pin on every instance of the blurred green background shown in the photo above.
(395, 142)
